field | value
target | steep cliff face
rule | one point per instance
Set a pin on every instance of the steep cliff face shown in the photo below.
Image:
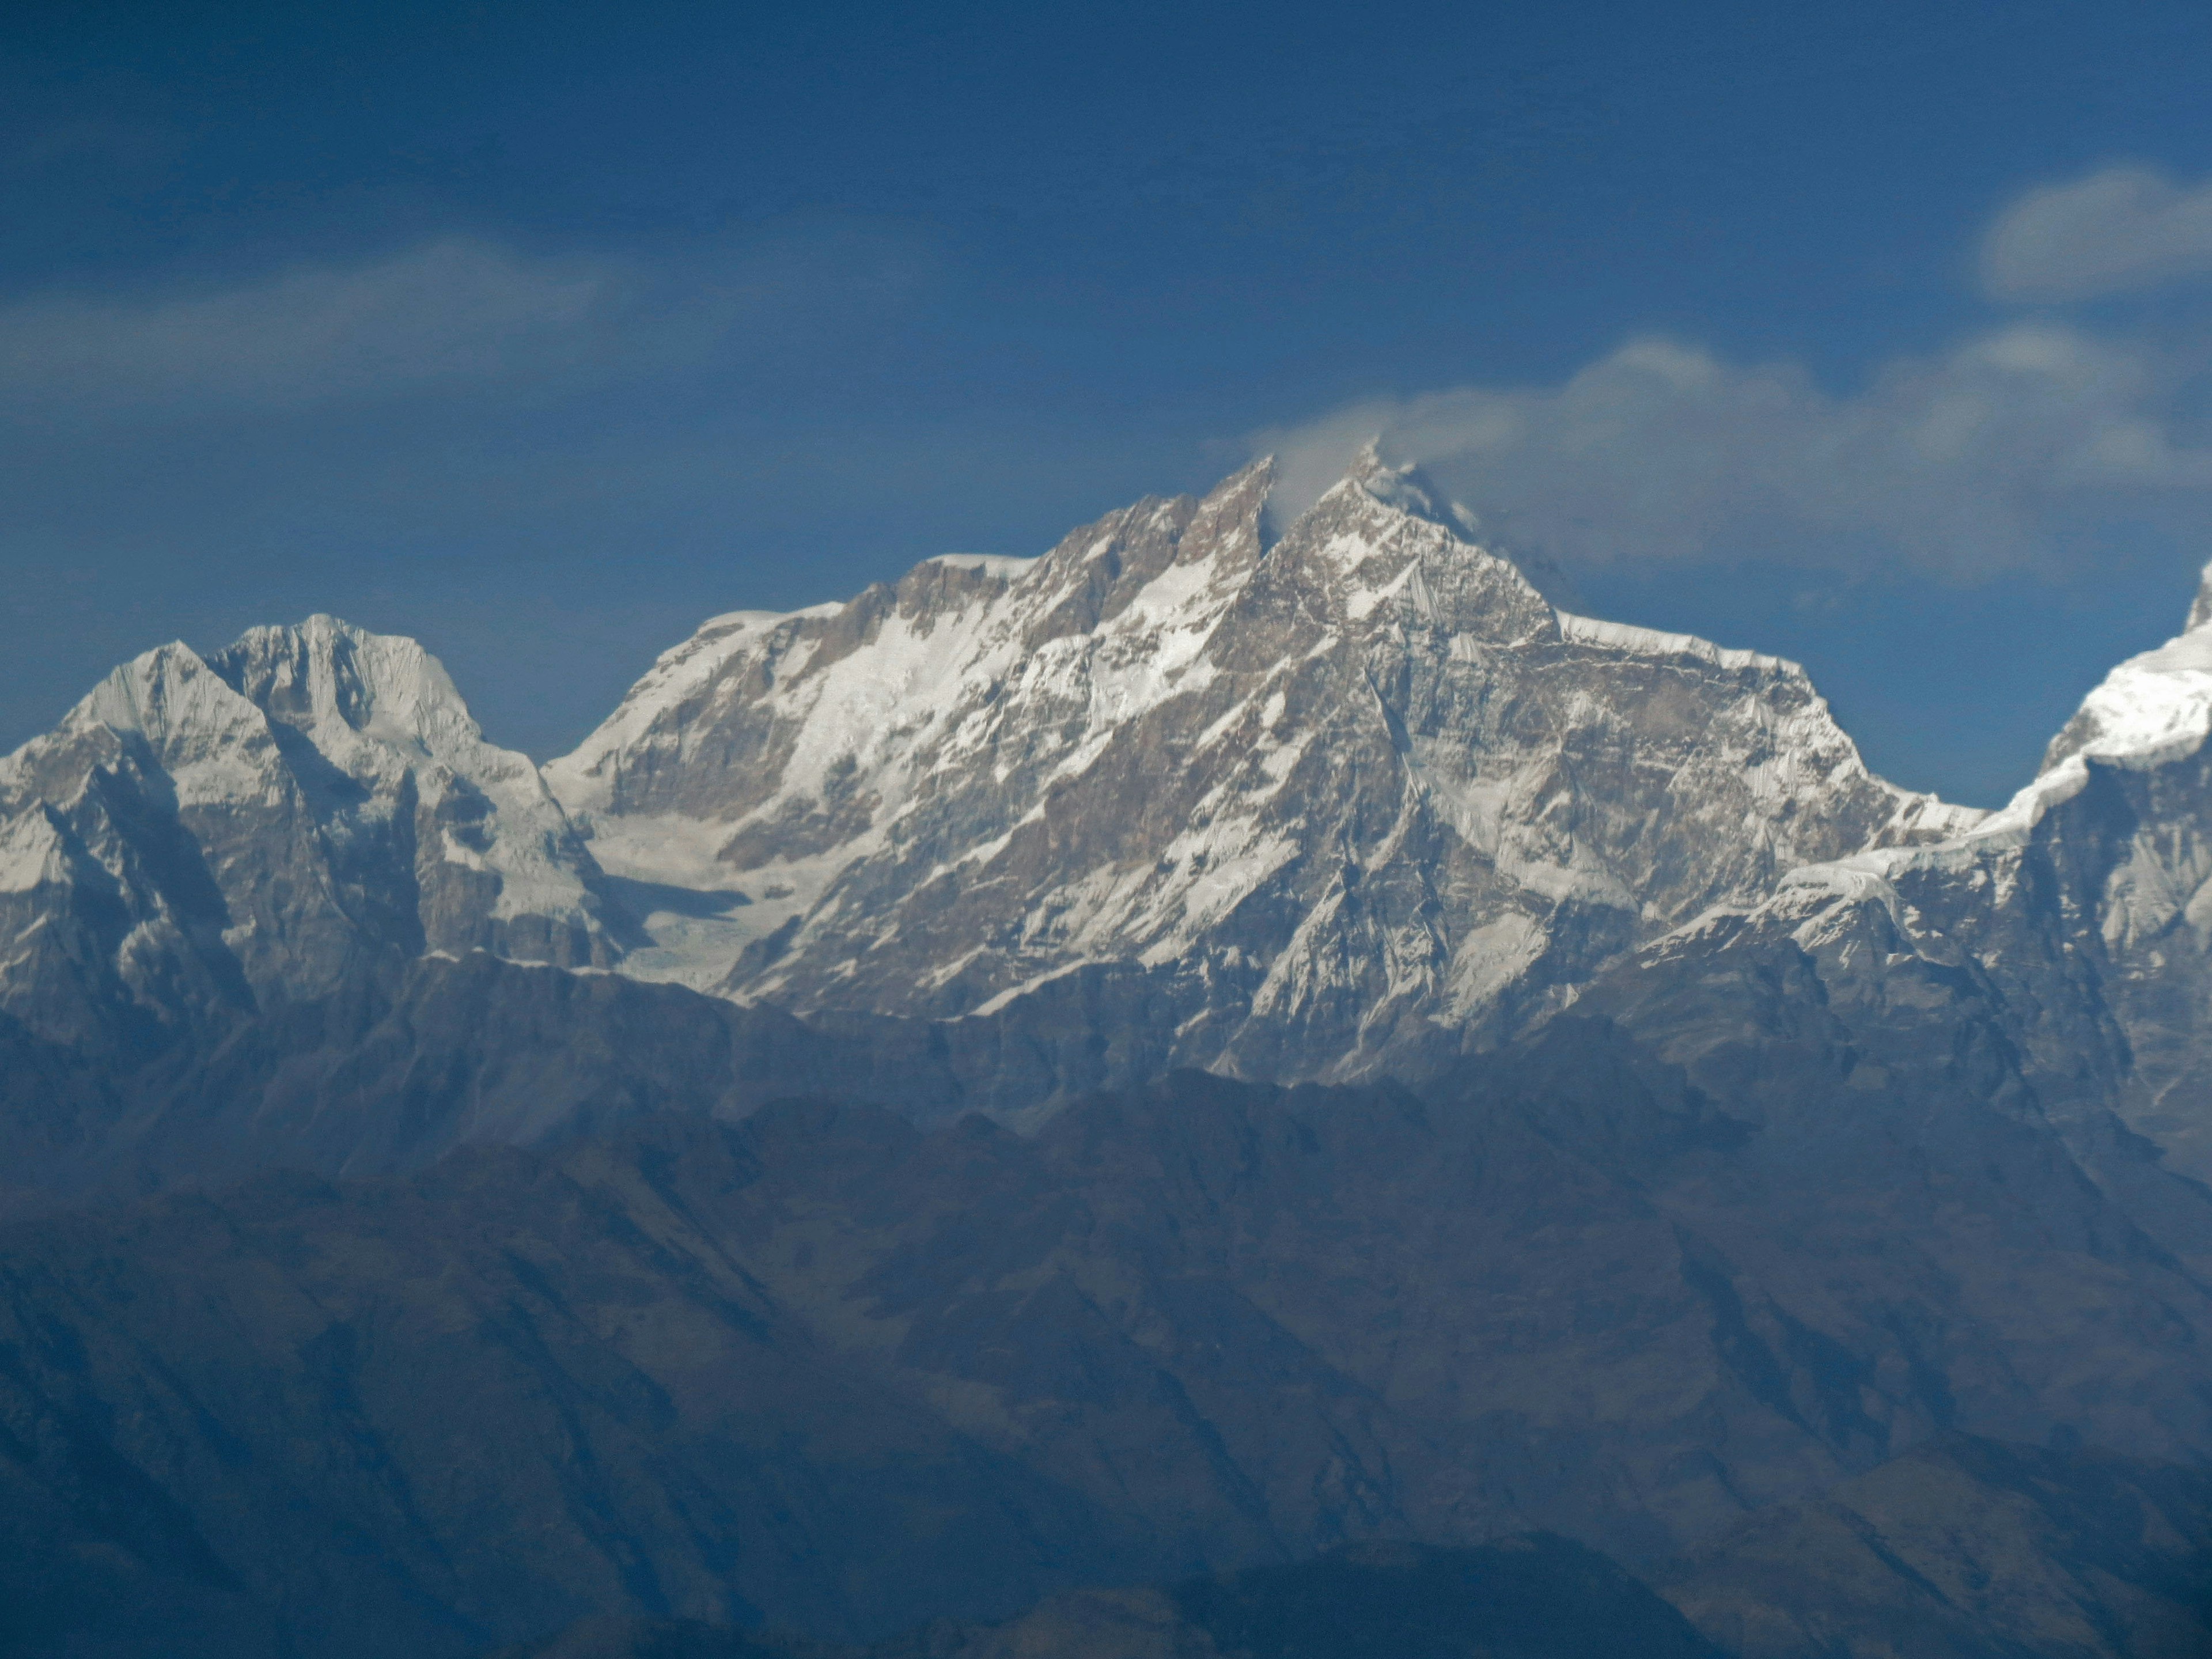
(1346, 804)
(2082, 911)
(206, 834)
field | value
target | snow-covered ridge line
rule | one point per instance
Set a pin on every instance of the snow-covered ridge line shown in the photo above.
(1338, 799)
(1653, 642)
(754, 619)
(2079, 916)
(2149, 711)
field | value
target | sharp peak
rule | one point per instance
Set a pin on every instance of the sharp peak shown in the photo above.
(152, 691)
(1245, 491)
(158, 657)
(297, 673)
(177, 654)
(1262, 467)
(1403, 488)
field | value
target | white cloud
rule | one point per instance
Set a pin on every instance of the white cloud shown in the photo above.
(1959, 465)
(2123, 229)
(2014, 449)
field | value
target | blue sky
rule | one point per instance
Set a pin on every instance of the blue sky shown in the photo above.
(1875, 336)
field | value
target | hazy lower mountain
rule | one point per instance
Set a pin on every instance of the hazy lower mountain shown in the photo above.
(1960, 1549)
(1969, 1549)
(823, 1370)
(1532, 1596)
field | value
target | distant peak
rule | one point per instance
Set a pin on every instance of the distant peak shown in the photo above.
(160, 691)
(1259, 470)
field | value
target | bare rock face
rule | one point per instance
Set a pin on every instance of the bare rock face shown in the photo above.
(204, 834)
(1344, 804)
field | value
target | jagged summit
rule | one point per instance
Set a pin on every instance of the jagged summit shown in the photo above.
(323, 672)
(1404, 488)
(1348, 800)
(203, 832)
(1345, 800)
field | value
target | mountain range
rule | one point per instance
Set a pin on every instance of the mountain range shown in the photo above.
(1226, 1042)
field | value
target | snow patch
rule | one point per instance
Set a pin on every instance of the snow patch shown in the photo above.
(31, 855)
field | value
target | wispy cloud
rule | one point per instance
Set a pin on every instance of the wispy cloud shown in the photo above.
(2120, 230)
(1982, 459)
(449, 313)
(452, 310)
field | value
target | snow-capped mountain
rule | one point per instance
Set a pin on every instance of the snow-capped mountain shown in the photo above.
(1353, 800)
(214, 832)
(1329, 806)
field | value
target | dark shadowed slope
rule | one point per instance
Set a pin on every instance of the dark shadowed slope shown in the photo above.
(1960, 1549)
(408, 1059)
(1969, 1549)
(825, 1370)
(1532, 1596)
